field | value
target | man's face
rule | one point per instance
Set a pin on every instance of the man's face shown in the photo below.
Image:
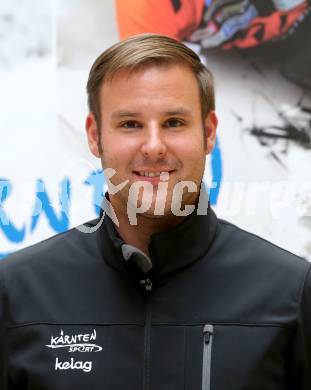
(151, 122)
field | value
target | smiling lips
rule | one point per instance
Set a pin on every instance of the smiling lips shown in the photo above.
(152, 174)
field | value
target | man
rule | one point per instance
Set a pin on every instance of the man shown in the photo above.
(162, 295)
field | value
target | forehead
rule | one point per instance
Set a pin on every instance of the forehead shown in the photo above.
(160, 84)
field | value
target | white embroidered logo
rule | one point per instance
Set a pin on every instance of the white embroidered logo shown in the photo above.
(73, 365)
(75, 343)
(82, 342)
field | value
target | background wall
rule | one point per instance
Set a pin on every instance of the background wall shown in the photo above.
(50, 182)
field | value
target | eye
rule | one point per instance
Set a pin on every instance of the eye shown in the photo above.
(174, 123)
(130, 125)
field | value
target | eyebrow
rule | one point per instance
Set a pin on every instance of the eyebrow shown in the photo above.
(177, 111)
(122, 113)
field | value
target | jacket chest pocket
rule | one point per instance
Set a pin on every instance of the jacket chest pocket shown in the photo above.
(236, 357)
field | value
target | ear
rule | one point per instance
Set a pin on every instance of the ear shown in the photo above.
(92, 134)
(210, 125)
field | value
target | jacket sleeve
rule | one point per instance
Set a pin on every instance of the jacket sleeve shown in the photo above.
(3, 338)
(302, 348)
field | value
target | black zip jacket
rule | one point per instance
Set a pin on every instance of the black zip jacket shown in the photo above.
(220, 309)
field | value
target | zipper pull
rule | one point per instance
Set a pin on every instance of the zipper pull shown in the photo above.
(147, 283)
(208, 332)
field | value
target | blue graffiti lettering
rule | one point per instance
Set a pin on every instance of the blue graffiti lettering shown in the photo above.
(43, 205)
(10, 231)
(97, 180)
(216, 163)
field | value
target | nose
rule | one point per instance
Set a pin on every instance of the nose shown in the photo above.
(154, 145)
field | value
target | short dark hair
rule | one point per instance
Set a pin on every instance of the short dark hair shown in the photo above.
(148, 50)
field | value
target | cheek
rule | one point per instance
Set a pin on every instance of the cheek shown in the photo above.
(117, 150)
(189, 150)
(193, 157)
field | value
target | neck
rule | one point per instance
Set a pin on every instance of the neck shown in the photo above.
(139, 234)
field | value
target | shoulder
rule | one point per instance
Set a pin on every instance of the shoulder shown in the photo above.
(259, 260)
(70, 244)
(259, 247)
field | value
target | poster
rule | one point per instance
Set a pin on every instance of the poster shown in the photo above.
(49, 181)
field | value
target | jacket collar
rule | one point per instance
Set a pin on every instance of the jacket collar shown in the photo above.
(170, 251)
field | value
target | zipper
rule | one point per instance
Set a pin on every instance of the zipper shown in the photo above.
(208, 332)
(147, 284)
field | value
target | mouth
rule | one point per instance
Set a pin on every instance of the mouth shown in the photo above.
(153, 176)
